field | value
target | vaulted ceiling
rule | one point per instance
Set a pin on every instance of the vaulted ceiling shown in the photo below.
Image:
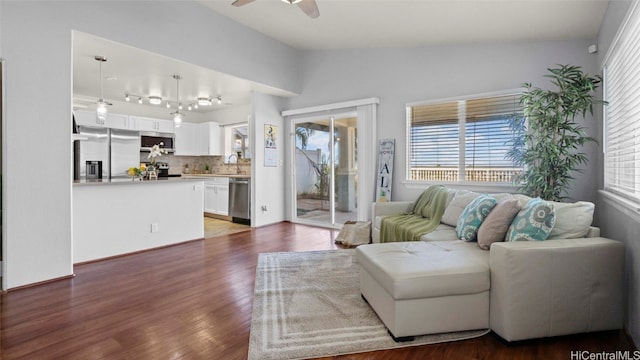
(392, 23)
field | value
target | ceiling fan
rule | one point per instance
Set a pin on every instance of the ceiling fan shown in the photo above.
(309, 7)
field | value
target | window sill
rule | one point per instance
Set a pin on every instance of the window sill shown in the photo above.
(628, 207)
(472, 186)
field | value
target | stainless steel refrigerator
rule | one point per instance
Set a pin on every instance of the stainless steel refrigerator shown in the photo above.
(91, 148)
(111, 151)
(125, 152)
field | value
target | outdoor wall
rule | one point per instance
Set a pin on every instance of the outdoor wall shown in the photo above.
(617, 221)
(36, 44)
(400, 75)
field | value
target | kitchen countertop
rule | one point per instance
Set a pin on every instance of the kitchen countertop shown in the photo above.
(186, 176)
(125, 181)
(162, 180)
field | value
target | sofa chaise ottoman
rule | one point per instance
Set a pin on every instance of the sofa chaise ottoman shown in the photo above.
(426, 288)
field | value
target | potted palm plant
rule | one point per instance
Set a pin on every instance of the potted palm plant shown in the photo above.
(549, 141)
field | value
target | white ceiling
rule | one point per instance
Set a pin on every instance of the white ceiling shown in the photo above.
(392, 23)
(135, 71)
(342, 24)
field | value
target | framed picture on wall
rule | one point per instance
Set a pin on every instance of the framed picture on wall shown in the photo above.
(270, 147)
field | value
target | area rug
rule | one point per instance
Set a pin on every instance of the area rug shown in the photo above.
(308, 304)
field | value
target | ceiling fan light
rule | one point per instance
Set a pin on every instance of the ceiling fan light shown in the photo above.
(204, 101)
(155, 100)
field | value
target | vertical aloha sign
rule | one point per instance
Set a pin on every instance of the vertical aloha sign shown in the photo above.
(386, 149)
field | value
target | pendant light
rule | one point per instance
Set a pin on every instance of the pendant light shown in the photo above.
(101, 104)
(177, 115)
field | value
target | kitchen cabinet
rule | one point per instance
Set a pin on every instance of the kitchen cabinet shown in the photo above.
(198, 139)
(210, 139)
(216, 195)
(187, 139)
(113, 121)
(150, 124)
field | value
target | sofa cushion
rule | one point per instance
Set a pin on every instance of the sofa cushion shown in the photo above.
(441, 233)
(572, 219)
(533, 223)
(473, 215)
(495, 225)
(415, 270)
(460, 200)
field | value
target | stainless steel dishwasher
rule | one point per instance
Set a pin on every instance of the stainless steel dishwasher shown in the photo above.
(240, 199)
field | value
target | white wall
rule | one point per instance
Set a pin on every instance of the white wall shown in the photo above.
(616, 222)
(400, 75)
(268, 182)
(36, 44)
(231, 115)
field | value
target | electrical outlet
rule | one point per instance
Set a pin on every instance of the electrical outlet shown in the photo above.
(154, 227)
(264, 207)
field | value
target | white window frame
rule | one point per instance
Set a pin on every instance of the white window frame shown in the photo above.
(461, 184)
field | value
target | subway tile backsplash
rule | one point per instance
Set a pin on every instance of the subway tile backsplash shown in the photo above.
(199, 164)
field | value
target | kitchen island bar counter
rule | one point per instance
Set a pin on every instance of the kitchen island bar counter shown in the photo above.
(203, 176)
(113, 218)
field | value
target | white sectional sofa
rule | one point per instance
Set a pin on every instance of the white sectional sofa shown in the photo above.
(571, 283)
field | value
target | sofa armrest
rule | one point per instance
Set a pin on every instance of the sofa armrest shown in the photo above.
(390, 208)
(556, 287)
(386, 209)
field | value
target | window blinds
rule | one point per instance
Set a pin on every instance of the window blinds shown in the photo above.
(622, 114)
(436, 129)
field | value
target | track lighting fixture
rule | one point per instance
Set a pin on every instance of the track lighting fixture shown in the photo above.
(157, 100)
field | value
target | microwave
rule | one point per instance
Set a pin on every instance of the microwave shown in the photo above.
(148, 140)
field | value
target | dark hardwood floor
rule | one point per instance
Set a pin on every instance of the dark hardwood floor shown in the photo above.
(194, 301)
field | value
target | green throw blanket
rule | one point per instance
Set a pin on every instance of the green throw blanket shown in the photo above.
(423, 218)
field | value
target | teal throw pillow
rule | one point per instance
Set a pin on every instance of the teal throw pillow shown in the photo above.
(472, 217)
(533, 223)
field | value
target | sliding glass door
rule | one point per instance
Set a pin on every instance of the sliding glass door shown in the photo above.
(325, 169)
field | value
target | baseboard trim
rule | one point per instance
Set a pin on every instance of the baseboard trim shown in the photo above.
(219, 217)
(66, 277)
(135, 252)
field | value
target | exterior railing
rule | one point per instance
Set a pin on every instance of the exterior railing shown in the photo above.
(501, 175)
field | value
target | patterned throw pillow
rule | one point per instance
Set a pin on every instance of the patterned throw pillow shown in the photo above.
(473, 215)
(533, 223)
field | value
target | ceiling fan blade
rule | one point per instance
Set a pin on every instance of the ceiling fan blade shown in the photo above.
(309, 7)
(241, 2)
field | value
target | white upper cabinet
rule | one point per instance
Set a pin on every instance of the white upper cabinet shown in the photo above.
(198, 139)
(150, 124)
(114, 121)
(210, 139)
(187, 139)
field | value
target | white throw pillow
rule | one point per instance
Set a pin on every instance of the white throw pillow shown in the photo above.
(460, 200)
(572, 219)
